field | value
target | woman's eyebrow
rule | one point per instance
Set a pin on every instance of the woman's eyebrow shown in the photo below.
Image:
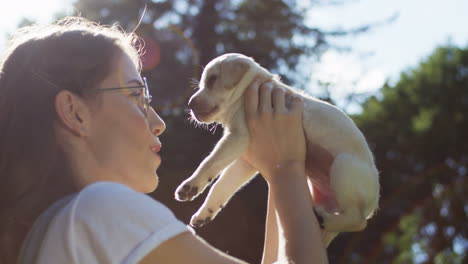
(137, 81)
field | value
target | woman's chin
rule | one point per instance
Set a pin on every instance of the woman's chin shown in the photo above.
(151, 184)
(154, 185)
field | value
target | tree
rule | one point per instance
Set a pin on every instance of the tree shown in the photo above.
(418, 130)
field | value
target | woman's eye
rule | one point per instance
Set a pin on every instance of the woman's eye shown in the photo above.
(135, 94)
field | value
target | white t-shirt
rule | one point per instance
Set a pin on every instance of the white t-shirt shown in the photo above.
(108, 222)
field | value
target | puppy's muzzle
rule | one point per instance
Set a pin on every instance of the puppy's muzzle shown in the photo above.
(200, 108)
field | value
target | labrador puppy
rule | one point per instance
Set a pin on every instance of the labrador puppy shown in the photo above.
(345, 192)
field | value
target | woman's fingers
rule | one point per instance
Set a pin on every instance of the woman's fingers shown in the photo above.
(275, 127)
(297, 104)
(269, 98)
(251, 98)
(279, 104)
(265, 98)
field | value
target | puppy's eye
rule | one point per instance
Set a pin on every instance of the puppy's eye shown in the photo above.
(211, 80)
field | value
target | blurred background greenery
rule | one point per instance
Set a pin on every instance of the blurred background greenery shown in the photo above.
(417, 125)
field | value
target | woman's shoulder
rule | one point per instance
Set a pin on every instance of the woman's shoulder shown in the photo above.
(103, 189)
(104, 198)
(108, 222)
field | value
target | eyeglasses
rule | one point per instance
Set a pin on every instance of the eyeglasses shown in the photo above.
(144, 101)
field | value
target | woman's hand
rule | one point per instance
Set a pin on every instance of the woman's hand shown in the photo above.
(277, 140)
(277, 149)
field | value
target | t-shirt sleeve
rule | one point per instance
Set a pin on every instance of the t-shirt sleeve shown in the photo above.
(111, 223)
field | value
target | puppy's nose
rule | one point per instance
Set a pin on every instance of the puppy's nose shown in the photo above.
(199, 106)
(193, 102)
(196, 105)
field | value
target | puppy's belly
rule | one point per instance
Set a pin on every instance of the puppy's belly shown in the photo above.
(318, 164)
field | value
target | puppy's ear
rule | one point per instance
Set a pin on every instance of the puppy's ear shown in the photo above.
(233, 71)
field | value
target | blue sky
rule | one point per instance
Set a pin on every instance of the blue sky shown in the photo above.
(382, 54)
(378, 55)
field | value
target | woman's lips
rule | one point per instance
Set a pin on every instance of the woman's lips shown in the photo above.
(155, 148)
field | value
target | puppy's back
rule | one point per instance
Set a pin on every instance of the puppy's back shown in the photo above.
(331, 128)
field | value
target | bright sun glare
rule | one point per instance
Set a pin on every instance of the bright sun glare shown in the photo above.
(12, 12)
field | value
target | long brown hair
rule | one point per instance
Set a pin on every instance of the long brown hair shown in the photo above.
(72, 54)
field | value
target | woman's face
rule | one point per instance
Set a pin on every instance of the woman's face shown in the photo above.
(124, 139)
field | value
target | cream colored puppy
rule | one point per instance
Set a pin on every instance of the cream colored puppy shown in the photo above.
(345, 192)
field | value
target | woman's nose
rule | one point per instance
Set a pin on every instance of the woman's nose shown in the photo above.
(156, 124)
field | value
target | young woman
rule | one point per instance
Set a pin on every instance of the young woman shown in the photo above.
(76, 128)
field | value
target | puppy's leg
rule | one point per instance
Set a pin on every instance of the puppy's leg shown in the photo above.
(357, 189)
(228, 149)
(230, 181)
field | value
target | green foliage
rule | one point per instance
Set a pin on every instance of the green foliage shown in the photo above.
(423, 121)
(403, 238)
(448, 258)
(418, 129)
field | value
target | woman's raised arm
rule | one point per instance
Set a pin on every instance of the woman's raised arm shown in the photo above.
(278, 150)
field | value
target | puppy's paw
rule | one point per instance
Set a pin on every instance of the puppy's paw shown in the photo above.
(195, 222)
(186, 192)
(203, 216)
(193, 186)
